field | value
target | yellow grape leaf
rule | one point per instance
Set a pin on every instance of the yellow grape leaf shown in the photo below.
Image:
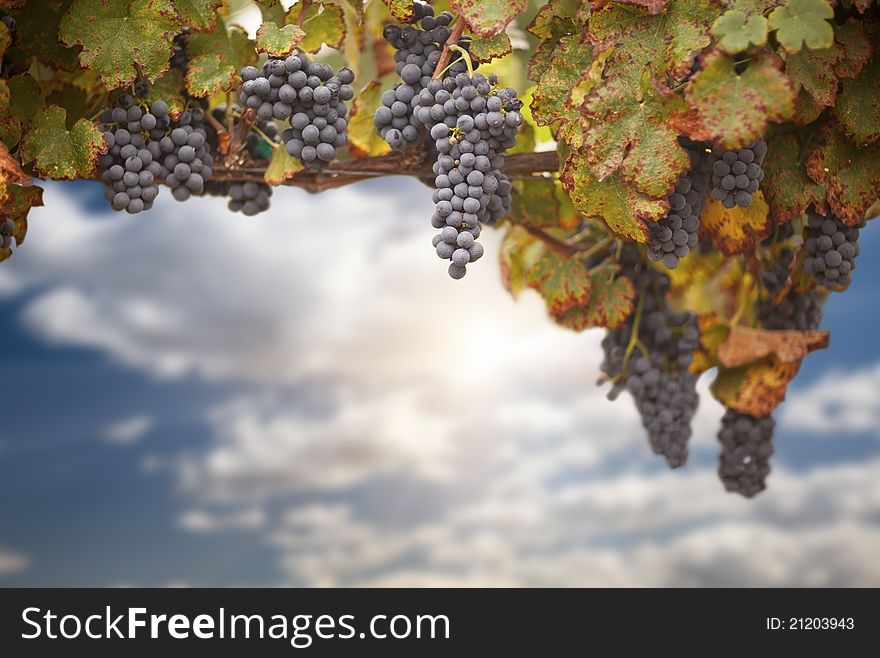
(735, 230)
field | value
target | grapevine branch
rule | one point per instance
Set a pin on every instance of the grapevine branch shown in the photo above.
(519, 165)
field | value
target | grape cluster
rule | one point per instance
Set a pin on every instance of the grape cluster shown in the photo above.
(178, 51)
(746, 447)
(775, 278)
(797, 311)
(654, 366)
(416, 57)
(832, 248)
(7, 232)
(249, 198)
(310, 96)
(672, 238)
(736, 175)
(145, 146)
(129, 169)
(472, 123)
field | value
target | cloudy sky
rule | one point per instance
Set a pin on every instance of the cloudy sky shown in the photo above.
(305, 398)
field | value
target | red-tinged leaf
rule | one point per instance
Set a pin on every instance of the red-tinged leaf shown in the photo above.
(858, 104)
(117, 34)
(856, 45)
(746, 345)
(815, 72)
(563, 281)
(756, 389)
(215, 59)
(735, 230)
(736, 108)
(669, 40)
(570, 58)
(16, 205)
(851, 174)
(488, 17)
(806, 110)
(401, 10)
(198, 15)
(628, 131)
(278, 42)
(788, 189)
(619, 204)
(10, 170)
(556, 19)
(485, 49)
(518, 253)
(610, 304)
(650, 6)
(5, 39)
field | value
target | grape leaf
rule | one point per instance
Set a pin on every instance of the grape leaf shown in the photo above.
(73, 99)
(216, 59)
(562, 282)
(276, 41)
(199, 15)
(487, 18)
(788, 189)
(363, 140)
(856, 47)
(569, 59)
(10, 172)
(815, 72)
(117, 34)
(556, 19)
(668, 40)
(282, 167)
(518, 253)
(735, 230)
(628, 131)
(620, 205)
(650, 6)
(756, 389)
(851, 174)
(16, 207)
(485, 49)
(735, 109)
(10, 127)
(26, 97)
(707, 283)
(535, 204)
(323, 24)
(745, 345)
(735, 31)
(5, 39)
(61, 153)
(610, 303)
(272, 10)
(858, 105)
(713, 333)
(802, 22)
(169, 88)
(806, 110)
(402, 10)
(37, 28)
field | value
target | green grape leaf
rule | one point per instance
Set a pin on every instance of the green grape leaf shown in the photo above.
(10, 127)
(610, 304)
(117, 34)
(277, 42)
(216, 59)
(620, 205)
(736, 108)
(363, 140)
(650, 6)
(856, 47)
(535, 203)
(26, 97)
(667, 41)
(569, 59)
(485, 49)
(556, 19)
(563, 282)
(199, 15)
(806, 110)
(73, 99)
(735, 31)
(169, 88)
(324, 24)
(61, 153)
(814, 72)
(788, 189)
(802, 22)
(5, 39)
(37, 28)
(629, 131)
(851, 175)
(487, 18)
(858, 104)
(272, 10)
(282, 166)
(401, 10)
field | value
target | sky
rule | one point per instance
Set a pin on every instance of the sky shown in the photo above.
(304, 398)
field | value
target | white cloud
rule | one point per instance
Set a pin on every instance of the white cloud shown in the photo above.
(12, 562)
(200, 520)
(838, 403)
(128, 431)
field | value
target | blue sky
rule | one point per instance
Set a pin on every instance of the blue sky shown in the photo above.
(197, 398)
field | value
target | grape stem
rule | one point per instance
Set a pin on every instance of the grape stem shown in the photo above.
(634, 336)
(446, 55)
(465, 55)
(306, 4)
(268, 139)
